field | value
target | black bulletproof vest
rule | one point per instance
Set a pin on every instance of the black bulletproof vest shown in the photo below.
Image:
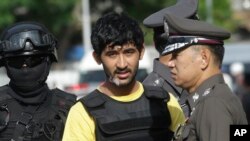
(34, 123)
(145, 119)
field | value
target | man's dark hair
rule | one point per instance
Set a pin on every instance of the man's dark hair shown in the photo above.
(116, 29)
(218, 52)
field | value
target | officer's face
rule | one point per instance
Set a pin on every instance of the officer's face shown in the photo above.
(185, 66)
(120, 63)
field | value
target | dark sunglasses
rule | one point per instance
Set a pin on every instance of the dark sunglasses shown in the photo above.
(17, 41)
(29, 61)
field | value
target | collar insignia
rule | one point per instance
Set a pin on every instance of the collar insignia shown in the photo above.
(195, 97)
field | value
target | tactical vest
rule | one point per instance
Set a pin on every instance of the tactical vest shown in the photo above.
(145, 119)
(44, 122)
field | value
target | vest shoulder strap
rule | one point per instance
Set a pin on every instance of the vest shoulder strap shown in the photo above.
(62, 99)
(155, 92)
(94, 99)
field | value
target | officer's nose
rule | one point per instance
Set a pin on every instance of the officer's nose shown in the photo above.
(171, 64)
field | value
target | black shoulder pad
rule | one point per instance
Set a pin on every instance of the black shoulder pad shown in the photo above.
(4, 96)
(94, 99)
(64, 95)
(156, 92)
(63, 99)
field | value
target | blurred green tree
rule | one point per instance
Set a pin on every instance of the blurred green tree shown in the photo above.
(63, 17)
(140, 9)
(55, 14)
(221, 13)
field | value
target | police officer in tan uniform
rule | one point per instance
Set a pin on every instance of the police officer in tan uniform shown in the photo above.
(197, 53)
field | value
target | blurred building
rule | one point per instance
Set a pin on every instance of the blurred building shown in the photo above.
(241, 13)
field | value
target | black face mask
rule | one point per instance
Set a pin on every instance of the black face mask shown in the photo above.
(28, 79)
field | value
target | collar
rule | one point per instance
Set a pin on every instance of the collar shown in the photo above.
(129, 97)
(204, 89)
(164, 72)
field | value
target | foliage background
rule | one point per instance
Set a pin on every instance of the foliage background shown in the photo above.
(63, 17)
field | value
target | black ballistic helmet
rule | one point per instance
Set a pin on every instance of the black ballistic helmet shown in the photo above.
(27, 38)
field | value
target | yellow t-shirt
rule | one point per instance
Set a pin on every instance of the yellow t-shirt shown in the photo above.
(81, 127)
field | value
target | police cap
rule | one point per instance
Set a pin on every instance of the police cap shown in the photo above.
(183, 8)
(185, 32)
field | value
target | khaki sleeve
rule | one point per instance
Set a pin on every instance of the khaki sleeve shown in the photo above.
(213, 112)
(176, 113)
(79, 125)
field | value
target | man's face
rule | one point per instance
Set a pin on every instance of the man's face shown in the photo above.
(185, 66)
(120, 63)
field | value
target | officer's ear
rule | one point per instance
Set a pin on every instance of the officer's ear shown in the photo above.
(205, 58)
(97, 58)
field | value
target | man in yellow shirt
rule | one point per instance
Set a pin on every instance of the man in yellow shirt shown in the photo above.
(122, 109)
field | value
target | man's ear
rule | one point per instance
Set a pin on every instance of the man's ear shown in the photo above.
(97, 58)
(142, 52)
(205, 56)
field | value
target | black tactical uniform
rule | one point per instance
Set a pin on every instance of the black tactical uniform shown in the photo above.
(29, 109)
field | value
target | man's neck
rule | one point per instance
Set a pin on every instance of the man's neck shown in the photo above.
(111, 89)
(203, 77)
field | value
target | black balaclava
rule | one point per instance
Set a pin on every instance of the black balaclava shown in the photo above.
(28, 84)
